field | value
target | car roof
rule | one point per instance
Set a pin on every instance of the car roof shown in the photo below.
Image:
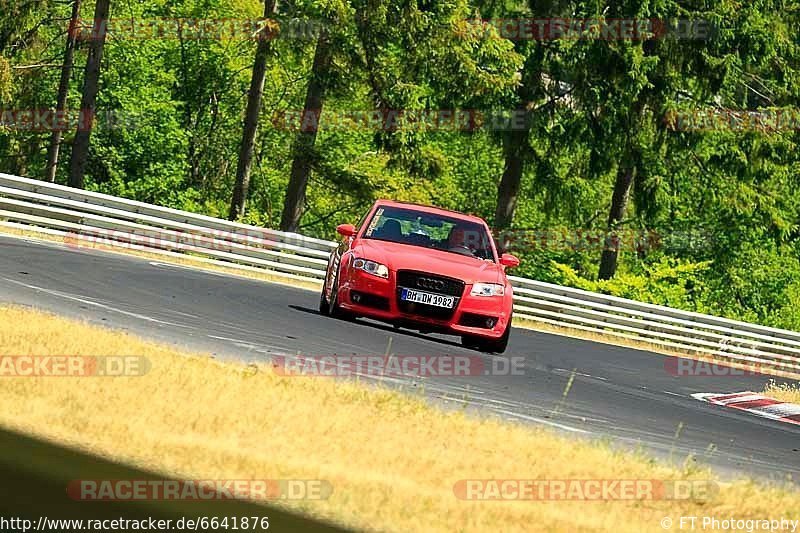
(430, 209)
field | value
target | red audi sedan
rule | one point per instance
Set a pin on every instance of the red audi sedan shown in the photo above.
(422, 268)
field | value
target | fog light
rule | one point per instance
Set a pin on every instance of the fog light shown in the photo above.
(490, 322)
(356, 297)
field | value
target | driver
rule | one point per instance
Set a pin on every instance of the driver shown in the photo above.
(468, 241)
(458, 241)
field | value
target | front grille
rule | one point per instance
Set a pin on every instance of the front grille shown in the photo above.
(441, 285)
(409, 279)
(473, 320)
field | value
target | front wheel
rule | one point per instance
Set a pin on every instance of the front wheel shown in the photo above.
(334, 310)
(324, 307)
(498, 345)
(470, 342)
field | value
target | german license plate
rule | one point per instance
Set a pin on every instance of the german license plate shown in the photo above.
(427, 298)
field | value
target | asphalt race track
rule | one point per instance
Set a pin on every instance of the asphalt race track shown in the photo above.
(623, 394)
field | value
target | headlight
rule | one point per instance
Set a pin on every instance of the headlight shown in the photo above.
(371, 267)
(488, 289)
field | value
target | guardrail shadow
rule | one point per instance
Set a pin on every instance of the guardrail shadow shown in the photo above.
(35, 475)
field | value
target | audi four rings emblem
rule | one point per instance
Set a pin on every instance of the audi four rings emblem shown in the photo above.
(430, 284)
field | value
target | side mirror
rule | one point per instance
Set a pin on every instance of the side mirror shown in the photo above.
(509, 260)
(346, 230)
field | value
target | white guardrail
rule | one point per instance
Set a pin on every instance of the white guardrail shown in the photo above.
(93, 220)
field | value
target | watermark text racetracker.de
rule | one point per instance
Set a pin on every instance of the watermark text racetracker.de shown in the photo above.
(73, 366)
(398, 365)
(682, 367)
(584, 489)
(63, 120)
(768, 120)
(198, 490)
(604, 29)
(193, 241)
(188, 29)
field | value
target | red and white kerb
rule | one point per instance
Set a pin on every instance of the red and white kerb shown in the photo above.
(755, 403)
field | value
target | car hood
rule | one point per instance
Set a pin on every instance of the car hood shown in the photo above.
(406, 257)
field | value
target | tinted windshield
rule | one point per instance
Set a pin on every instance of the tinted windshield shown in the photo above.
(426, 230)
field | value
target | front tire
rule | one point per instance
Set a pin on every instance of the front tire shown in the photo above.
(498, 345)
(324, 307)
(470, 342)
(334, 310)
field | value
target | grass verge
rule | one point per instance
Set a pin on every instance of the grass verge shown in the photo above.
(393, 460)
(783, 391)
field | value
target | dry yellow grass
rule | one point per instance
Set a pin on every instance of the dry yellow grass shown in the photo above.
(784, 391)
(392, 459)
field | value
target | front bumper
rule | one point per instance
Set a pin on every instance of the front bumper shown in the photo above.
(373, 297)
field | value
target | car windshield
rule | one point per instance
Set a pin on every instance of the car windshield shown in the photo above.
(428, 230)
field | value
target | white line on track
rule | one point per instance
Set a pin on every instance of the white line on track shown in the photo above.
(85, 301)
(503, 402)
(466, 390)
(452, 399)
(542, 421)
(195, 269)
(569, 372)
(243, 341)
(34, 240)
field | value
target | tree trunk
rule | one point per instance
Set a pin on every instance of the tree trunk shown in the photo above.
(619, 202)
(63, 91)
(303, 148)
(242, 186)
(91, 82)
(515, 146)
